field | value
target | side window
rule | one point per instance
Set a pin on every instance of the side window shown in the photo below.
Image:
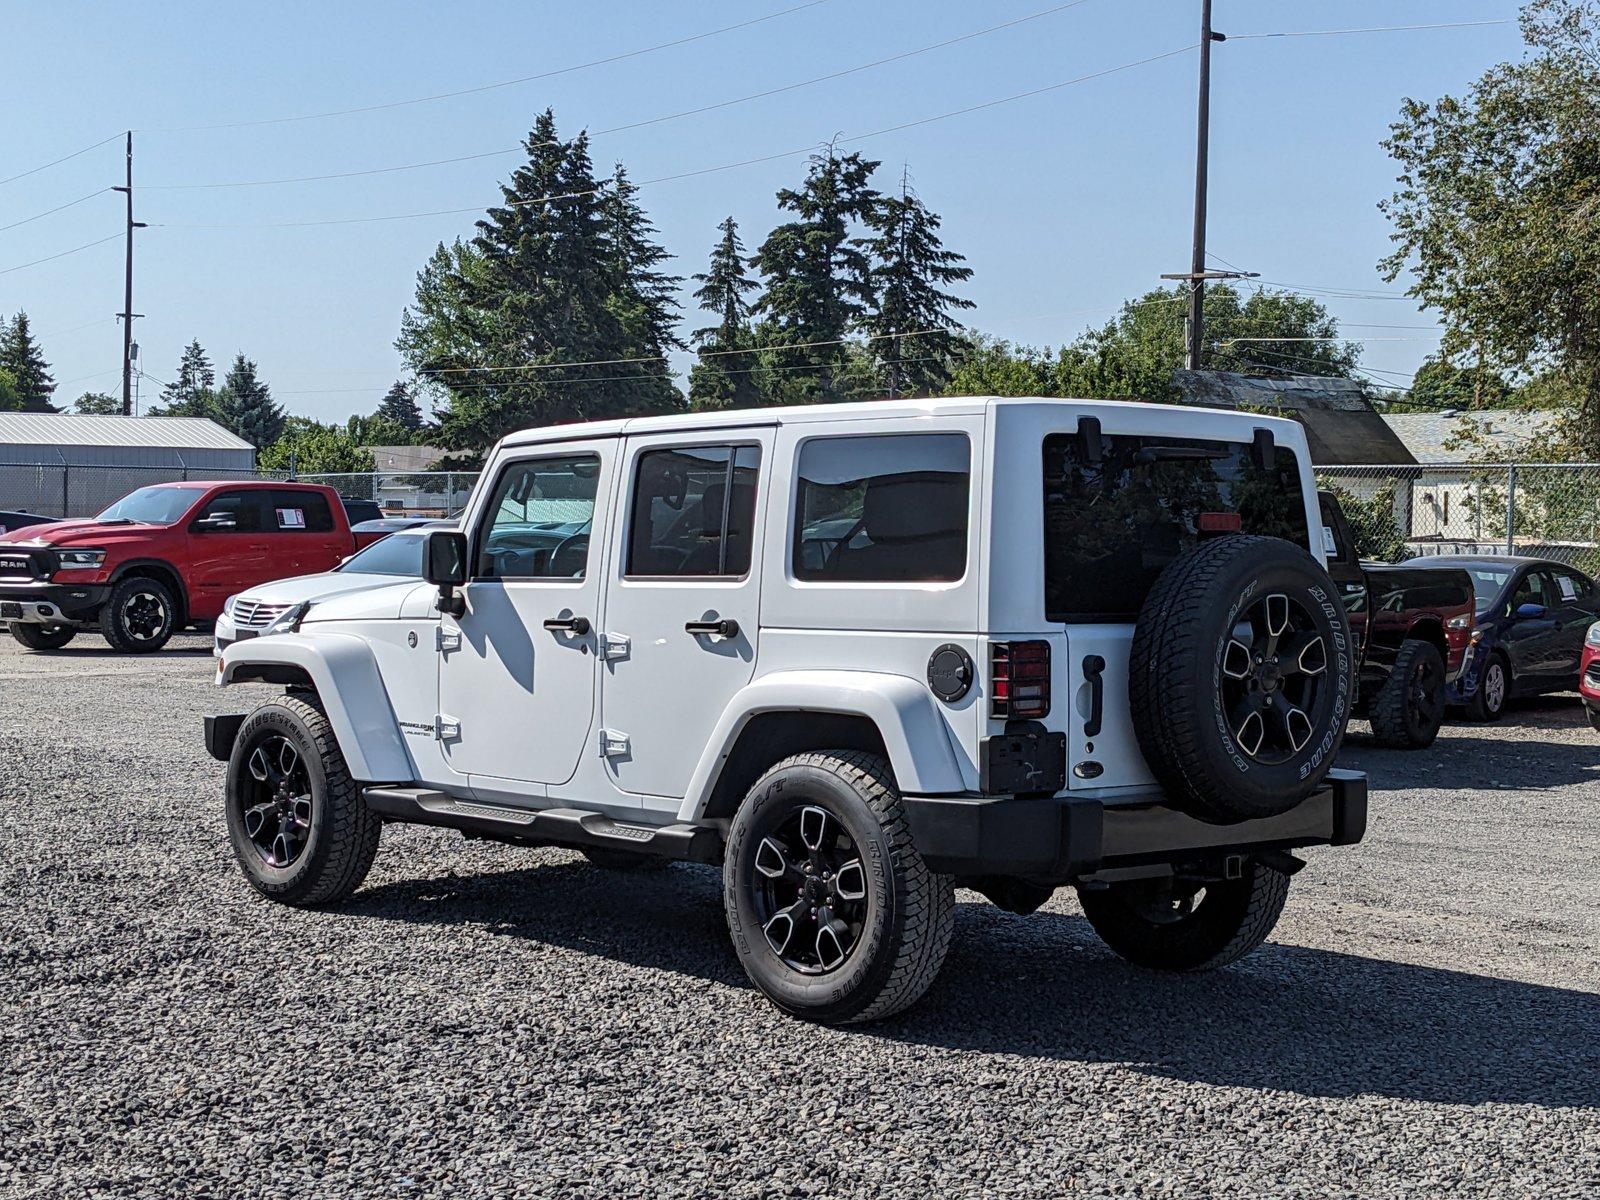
(538, 520)
(299, 512)
(248, 509)
(884, 508)
(1573, 588)
(693, 512)
(1535, 588)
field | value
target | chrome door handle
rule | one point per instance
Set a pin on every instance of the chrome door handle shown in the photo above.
(725, 628)
(574, 625)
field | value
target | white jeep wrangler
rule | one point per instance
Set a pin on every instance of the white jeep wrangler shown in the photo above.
(856, 654)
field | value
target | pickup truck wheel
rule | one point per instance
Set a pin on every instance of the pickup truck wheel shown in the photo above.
(1240, 677)
(1173, 925)
(42, 637)
(624, 860)
(1409, 708)
(1488, 703)
(834, 915)
(300, 830)
(139, 615)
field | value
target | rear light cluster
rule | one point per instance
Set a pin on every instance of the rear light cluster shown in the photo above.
(1019, 680)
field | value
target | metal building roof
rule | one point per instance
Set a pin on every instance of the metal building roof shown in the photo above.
(75, 429)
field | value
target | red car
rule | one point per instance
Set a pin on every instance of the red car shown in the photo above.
(1589, 674)
(164, 557)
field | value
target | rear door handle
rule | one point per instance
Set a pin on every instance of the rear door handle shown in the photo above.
(1093, 665)
(727, 627)
(574, 625)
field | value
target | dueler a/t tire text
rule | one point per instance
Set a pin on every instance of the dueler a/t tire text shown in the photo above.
(1240, 677)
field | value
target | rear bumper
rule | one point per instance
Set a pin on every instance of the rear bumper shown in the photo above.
(51, 603)
(1061, 838)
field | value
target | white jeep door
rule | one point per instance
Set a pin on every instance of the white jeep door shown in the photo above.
(684, 590)
(517, 670)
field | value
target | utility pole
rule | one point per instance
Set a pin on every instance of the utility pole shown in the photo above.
(1197, 274)
(127, 313)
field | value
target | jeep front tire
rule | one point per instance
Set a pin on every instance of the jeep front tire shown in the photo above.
(833, 913)
(299, 828)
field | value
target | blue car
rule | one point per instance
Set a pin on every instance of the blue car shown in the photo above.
(1532, 617)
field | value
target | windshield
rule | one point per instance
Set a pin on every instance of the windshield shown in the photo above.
(1487, 582)
(152, 505)
(397, 554)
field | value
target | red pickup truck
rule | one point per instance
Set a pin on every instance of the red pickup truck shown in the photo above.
(164, 557)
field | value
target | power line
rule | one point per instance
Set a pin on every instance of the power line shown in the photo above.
(75, 328)
(47, 212)
(960, 112)
(489, 87)
(689, 112)
(63, 254)
(59, 161)
(1241, 37)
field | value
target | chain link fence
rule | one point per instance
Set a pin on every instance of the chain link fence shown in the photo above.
(1547, 510)
(85, 490)
(412, 494)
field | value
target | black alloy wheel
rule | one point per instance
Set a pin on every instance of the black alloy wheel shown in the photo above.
(144, 615)
(810, 891)
(1275, 679)
(276, 801)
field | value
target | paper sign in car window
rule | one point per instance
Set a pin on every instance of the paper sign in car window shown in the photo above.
(1568, 590)
(291, 518)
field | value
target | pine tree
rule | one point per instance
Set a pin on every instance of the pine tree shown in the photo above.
(543, 283)
(193, 393)
(23, 361)
(399, 406)
(724, 378)
(245, 405)
(910, 266)
(818, 278)
(649, 294)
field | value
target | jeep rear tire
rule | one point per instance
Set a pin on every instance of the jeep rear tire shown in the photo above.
(1240, 678)
(1409, 708)
(1173, 925)
(139, 615)
(833, 913)
(42, 637)
(299, 828)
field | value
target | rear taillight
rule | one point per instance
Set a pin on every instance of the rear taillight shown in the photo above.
(1019, 680)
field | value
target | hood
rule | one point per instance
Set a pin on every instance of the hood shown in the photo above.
(78, 533)
(379, 601)
(319, 587)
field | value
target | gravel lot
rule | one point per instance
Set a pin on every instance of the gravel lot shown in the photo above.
(486, 1021)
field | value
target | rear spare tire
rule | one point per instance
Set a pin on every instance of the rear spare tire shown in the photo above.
(1240, 677)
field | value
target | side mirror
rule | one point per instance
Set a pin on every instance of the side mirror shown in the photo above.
(1531, 612)
(216, 522)
(444, 564)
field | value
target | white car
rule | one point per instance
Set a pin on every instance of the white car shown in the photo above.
(854, 654)
(396, 556)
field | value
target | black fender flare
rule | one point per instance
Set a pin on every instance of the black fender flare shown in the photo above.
(163, 570)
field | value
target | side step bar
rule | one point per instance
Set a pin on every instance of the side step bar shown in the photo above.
(568, 827)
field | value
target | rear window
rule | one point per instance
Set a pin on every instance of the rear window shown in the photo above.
(301, 512)
(883, 508)
(1112, 526)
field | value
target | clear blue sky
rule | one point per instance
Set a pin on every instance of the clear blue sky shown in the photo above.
(1064, 203)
